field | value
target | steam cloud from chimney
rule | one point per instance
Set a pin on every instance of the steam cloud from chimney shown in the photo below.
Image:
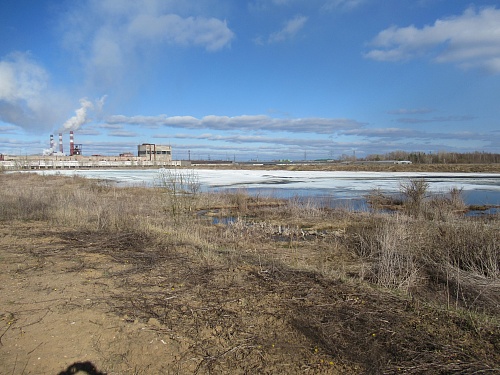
(82, 114)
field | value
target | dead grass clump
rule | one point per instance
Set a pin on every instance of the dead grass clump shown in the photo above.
(460, 258)
(389, 252)
(26, 204)
(469, 244)
(239, 200)
(304, 208)
(381, 201)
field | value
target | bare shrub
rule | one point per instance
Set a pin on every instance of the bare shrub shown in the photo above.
(446, 207)
(396, 266)
(456, 199)
(182, 188)
(414, 192)
(388, 247)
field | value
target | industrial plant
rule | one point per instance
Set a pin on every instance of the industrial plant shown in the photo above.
(74, 149)
(148, 155)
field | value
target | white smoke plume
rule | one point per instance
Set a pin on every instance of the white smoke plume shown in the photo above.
(83, 114)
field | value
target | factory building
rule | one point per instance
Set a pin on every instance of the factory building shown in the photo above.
(154, 152)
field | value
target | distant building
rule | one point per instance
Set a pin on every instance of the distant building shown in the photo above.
(154, 152)
(126, 155)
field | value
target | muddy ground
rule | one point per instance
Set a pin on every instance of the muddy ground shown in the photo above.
(118, 303)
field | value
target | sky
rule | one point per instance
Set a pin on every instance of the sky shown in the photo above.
(251, 80)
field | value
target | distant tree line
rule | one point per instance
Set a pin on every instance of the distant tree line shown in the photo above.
(441, 157)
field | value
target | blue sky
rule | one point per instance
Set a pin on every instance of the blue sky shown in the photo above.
(246, 80)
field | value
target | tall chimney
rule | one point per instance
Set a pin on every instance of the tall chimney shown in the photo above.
(52, 146)
(60, 143)
(71, 143)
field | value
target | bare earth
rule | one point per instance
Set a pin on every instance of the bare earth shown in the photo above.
(69, 297)
(65, 298)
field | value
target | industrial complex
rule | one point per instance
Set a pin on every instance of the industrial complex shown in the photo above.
(148, 155)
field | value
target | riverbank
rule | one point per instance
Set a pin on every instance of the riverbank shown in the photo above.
(138, 280)
(364, 167)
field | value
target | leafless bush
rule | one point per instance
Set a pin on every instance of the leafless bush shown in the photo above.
(396, 266)
(388, 247)
(181, 186)
(446, 207)
(414, 192)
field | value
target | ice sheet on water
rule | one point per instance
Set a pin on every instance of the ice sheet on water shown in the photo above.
(288, 183)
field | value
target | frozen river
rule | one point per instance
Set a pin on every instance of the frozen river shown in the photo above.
(478, 188)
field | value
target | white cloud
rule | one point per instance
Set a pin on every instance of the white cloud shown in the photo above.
(8, 129)
(210, 33)
(342, 4)
(239, 139)
(26, 99)
(108, 36)
(436, 119)
(266, 4)
(244, 122)
(396, 134)
(122, 133)
(410, 111)
(471, 40)
(289, 30)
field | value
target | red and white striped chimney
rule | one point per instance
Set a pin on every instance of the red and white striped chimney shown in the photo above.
(60, 144)
(71, 143)
(52, 142)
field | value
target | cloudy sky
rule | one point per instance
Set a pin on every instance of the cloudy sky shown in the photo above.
(256, 79)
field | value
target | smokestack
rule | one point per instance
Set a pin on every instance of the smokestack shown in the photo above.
(52, 142)
(60, 143)
(71, 143)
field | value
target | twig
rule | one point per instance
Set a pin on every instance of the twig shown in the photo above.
(35, 348)
(38, 321)
(4, 332)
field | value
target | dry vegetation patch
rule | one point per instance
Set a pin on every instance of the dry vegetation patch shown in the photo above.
(140, 281)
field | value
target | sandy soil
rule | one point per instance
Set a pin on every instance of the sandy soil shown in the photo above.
(67, 298)
(129, 306)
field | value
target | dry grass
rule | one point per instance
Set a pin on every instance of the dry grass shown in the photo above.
(356, 285)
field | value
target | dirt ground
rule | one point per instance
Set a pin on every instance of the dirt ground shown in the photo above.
(113, 303)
